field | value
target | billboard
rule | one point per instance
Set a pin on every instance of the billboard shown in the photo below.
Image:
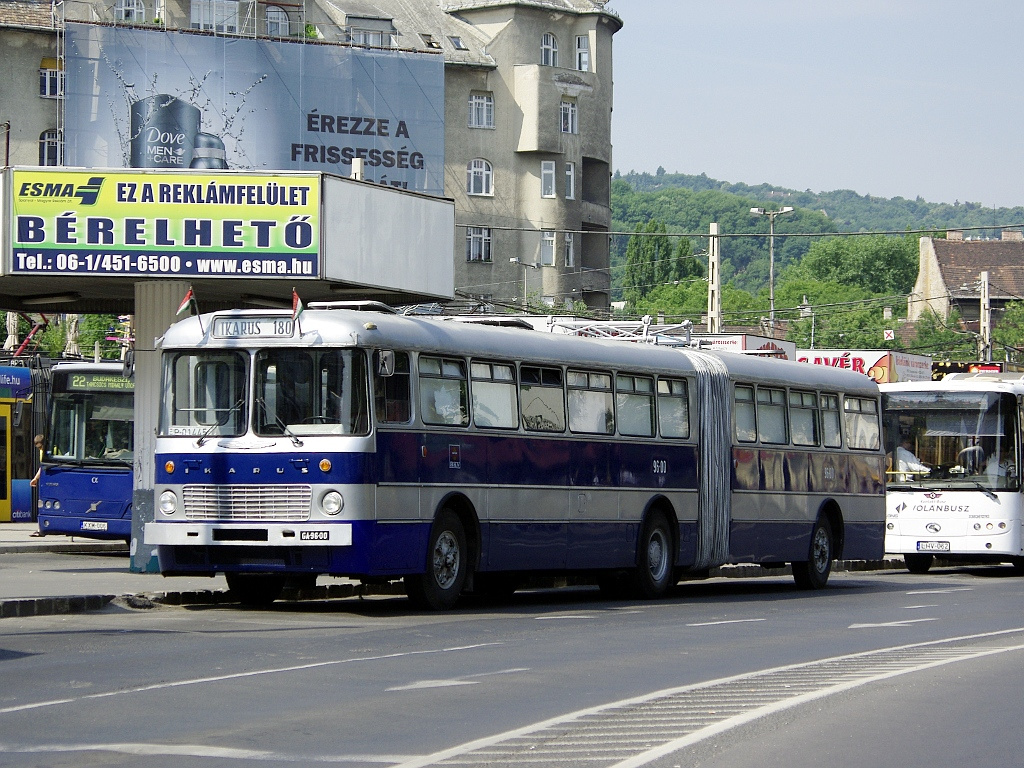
(177, 100)
(878, 364)
(140, 223)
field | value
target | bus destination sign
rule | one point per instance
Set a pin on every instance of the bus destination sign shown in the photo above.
(99, 382)
(253, 327)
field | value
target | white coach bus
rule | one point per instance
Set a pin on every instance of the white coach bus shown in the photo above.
(953, 466)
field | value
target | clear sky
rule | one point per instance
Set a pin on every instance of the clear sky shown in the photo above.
(885, 97)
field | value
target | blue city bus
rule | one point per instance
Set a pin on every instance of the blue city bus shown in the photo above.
(463, 457)
(85, 487)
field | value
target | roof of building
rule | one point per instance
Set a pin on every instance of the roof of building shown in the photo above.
(961, 263)
(24, 13)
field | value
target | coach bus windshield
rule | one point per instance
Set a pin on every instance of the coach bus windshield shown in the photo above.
(311, 392)
(205, 394)
(962, 440)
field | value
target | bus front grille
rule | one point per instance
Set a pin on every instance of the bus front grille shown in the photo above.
(247, 502)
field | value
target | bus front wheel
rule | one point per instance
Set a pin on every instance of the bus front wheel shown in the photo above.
(918, 563)
(813, 573)
(447, 563)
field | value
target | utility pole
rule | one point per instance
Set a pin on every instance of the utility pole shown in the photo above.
(771, 257)
(714, 282)
(985, 353)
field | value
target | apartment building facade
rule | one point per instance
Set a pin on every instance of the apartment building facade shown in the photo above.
(527, 115)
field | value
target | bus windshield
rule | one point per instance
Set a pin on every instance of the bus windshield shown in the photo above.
(204, 394)
(961, 440)
(311, 392)
(92, 427)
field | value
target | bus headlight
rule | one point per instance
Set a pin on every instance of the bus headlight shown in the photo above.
(332, 503)
(168, 502)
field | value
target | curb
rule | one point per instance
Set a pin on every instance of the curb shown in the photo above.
(77, 548)
(55, 606)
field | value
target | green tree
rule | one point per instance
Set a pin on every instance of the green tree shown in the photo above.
(1008, 335)
(878, 263)
(944, 338)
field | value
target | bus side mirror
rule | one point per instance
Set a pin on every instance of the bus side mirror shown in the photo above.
(128, 364)
(385, 362)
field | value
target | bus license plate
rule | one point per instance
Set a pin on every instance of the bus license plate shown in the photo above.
(314, 535)
(94, 525)
(933, 546)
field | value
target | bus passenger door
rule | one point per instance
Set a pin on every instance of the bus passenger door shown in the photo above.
(5, 464)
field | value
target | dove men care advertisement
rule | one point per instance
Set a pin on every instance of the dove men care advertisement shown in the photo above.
(140, 98)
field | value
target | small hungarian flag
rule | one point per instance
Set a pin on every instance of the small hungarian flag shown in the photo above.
(188, 304)
(296, 306)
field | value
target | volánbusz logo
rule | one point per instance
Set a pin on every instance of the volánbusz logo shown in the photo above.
(55, 190)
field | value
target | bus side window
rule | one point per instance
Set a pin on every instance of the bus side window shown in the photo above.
(634, 400)
(494, 395)
(771, 415)
(541, 398)
(591, 407)
(862, 423)
(673, 408)
(831, 434)
(803, 418)
(393, 394)
(444, 395)
(746, 422)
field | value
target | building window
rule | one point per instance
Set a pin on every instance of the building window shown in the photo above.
(479, 177)
(458, 43)
(547, 248)
(51, 148)
(570, 249)
(430, 41)
(51, 82)
(548, 50)
(277, 22)
(478, 243)
(570, 181)
(582, 53)
(547, 178)
(481, 110)
(373, 38)
(215, 15)
(569, 119)
(132, 11)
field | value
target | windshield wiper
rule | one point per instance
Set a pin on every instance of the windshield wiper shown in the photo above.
(277, 420)
(986, 491)
(219, 423)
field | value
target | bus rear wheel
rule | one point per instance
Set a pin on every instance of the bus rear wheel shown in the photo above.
(255, 589)
(813, 573)
(447, 562)
(655, 567)
(918, 563)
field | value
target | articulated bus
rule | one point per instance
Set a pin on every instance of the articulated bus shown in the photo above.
(953, 466)
(85, 487)
(465, 457)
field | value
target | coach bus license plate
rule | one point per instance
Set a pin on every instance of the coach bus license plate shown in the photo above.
(314, 535)
(94, 525)
(933, 546)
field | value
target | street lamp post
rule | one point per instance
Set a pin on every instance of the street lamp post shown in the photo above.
(526, 266)
(771, 257)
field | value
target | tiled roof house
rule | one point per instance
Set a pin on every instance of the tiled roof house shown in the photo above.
(950, 274)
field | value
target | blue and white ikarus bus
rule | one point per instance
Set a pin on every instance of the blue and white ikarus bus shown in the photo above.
(953, 451)
(463, 457)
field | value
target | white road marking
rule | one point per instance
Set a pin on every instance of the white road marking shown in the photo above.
(945, 591)
(199, 750)
(562, 616)
(693, 738)
(239, 675)
(903, 623)
(914, 607)
(465, 680)
(725, 621)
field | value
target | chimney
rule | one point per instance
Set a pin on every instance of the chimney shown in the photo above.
(954, 234)
(1012, 234)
